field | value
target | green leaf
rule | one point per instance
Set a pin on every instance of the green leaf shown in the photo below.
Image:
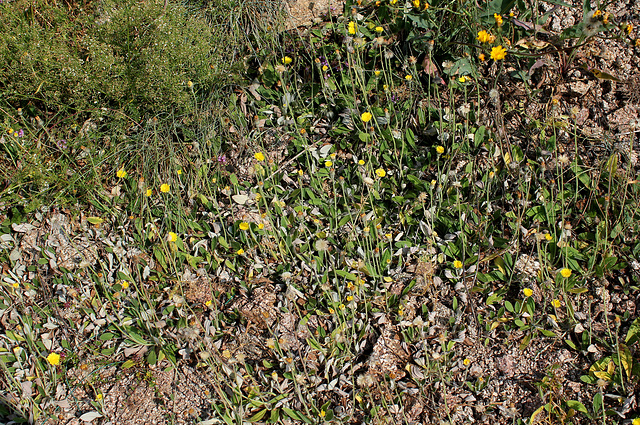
(107, 336)
(95, 220)
(258, 416)
(634, 332)
(597, 403)
(346, 275)
(152, 357)
(128, 364)
(577, 406)
(525, 342)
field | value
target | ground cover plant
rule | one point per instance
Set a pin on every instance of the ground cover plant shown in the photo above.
(407, 212)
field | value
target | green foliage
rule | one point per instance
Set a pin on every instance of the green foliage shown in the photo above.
(136, 57)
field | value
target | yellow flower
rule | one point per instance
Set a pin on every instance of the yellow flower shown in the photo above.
(121, 173)
(259, 156)
(565, 272)
(328, 164)
(287, 60)
(164, 188)
(53, 359)
(482, 57)
(322, 414)
(416, 3)
(392, 2)
(99, 397)
(440, 149)
(189, 84)
(353, 27)
(172, 237)
(466, 362)
(376, 72)
(463, 79)
(325, 68)
(636, 421)
(260, 226)
(527, 292)
(149, 192)
(244, 226)
(379, 29)
(498, 19)
(555, 303)
(366, 117)
(498, 53)
(457, 264)
(548, 237)
(485, 37)
(380, 172)
(361, 162)
(349, 298)
(208, 303)
(179, 172)
(16, 285)
(629, 28)
(240, 251)
(408, 77)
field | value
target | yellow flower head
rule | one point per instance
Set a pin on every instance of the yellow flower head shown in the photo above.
(498, 19)
(379, 29)
(498, 53)
(164, 188)
(53, 359)
(485, 37)
(189, 84)
(380, 172)
(440, 149)
(260, 226)
(259, 156)
(565, 272)
(361, 162)
(555, 303)
(463, 79)
(548, 237)
(172, 237)
(353, 27)
(121, 173)
(392, 2)
(124, 284)
(527, 292)
(457, 264)
(366, 117)
(287, 60)
(416, 4)
(328, 164)
(466, 362)
(179, 172)
(244, 226)
(629, 28)
(482, 57)
(149, 192)
(408, 77)
(240, 251)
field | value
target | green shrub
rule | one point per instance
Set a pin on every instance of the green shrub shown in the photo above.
(132, 56)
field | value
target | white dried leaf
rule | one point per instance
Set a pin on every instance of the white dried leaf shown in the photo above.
(240, 199)
(90, 416)
(22, 228)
